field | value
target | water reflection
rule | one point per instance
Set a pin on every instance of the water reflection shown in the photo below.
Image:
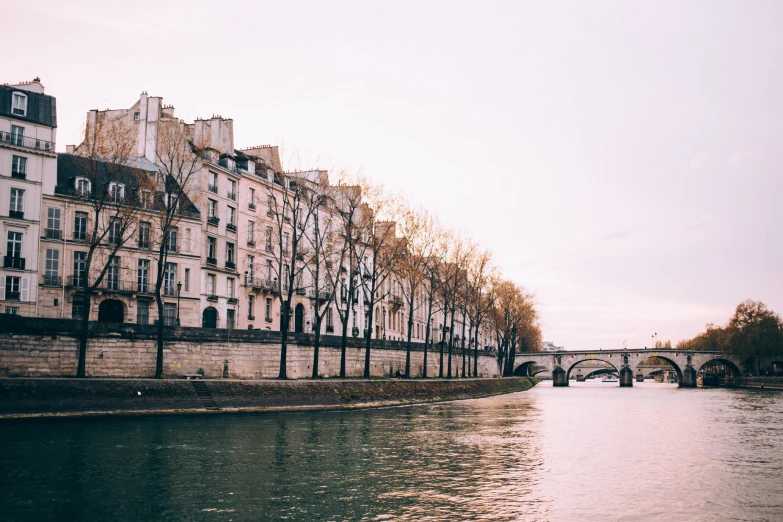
(591, 451)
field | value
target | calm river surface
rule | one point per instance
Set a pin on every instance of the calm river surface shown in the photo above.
(589, 452)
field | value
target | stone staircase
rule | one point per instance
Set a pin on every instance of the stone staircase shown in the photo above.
(203, 394)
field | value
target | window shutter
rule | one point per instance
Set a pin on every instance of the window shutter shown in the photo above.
(2, 288)
(25, 288)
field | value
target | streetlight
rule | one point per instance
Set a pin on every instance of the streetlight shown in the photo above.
(384, 323)
(179, 289)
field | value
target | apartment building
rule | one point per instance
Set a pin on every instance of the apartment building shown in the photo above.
(126, 293)
(28, 164)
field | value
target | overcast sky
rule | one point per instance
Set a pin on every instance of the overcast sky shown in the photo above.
(621, 159)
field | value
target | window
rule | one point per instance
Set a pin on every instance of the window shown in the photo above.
(83, 186)
(286, 240)
(270, 201)
(250, 267)
(17, 203)
(230, 263)
(329, 319)
(213, 182)
(187, 279)
(143, 312)
(14, 246)
(170, 314)
(80, 226)
(251, 198)
(232, 194)
(172, 242)
(13, 288)
(211, 249)
(53, 223)
(115, 232)
(12, 310)
(268, 271)
(251, 233)
(230, 319)
(145, 199)
(17, 135)
(19, 104)
(169, 278)
(231, 215)
(19, 167)
(172, 208)
(137, 117)
(79, 268)
(116, 192)
(230, 288)
(250, 301)
(268, 310)
(210, 284)
(52, 267)
(113, 274)
(144, 235)
(77, 310)
(187, 240)
(212, 208)
(143, 278)
(268, 239)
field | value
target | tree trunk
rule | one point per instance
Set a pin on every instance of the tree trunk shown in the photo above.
(442, 342)
(408, 349)
(159, 358)
(475, 352)
(83, 333)
(367, 340)
(316, 344)
(283, 341)
(344, 343)
(451, 341)
(463, 344)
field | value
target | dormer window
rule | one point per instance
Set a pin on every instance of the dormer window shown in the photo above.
(116, 192)
(145, 198)
(136, 116)
(82, 186)
(19, 104)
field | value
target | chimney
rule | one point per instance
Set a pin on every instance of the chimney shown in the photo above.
(70, 149)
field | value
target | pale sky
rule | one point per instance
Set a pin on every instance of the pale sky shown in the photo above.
(621, 159)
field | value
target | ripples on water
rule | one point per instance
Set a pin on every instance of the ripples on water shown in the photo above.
(589, 452)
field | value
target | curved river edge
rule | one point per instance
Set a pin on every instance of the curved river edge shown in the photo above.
(56, 397)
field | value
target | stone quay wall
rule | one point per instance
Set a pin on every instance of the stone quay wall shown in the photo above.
(34, 347)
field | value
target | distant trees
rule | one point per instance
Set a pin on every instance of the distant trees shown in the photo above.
(754, 334)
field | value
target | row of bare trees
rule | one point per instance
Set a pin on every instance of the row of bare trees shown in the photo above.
(349, 244)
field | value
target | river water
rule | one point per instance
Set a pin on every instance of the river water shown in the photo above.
(592, 451)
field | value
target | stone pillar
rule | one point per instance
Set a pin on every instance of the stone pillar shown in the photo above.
(688, 377)
(640, 377)
(626, 377)
(559, 377)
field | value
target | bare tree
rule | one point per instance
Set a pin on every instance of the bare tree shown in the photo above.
(111, 189)
(418, 232)
(377, 254)
(480, 298)
(291, 217)
(178, 160)
(453, 277)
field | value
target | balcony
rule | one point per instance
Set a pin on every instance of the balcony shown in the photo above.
(144, 244)
(143, 288)
(12, 296)
(25, 142)
(51, 280)
(260, 282)
(170, 291)
(16, 214)
(212, 261)
(53, 233)
(251, 206)
(212, 188)
(230, 265)
(80, 236)
(212, 297)
(232, 196)
(17, 174)
(232, 300)
(230, 227)
(17, 263)
(301, 290)
(251, 242)
(213, 220)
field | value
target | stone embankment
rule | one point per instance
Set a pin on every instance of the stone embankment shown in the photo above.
(54, 397)
(765, 383)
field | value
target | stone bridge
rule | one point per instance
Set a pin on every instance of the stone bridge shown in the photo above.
(685, 363)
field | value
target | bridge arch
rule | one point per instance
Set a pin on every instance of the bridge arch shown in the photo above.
(529, 369)
(601, 371)
(719, 360)
(671, 362)
(582, 359)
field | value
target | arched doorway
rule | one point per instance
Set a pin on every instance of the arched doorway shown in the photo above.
(299, 318)
(209, 318)
(111, 311)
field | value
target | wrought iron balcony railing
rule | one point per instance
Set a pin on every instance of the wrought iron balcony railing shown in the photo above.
(16, 263)
(28, 143)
